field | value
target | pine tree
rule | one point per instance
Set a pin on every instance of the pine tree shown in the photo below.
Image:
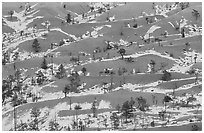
(76, 108)
(152, 63)
(35, 113)
(75, 81)
(118, 108)
(5, 58)
(84, 70)
(40, 78)
(142, 103)
(11, 13)
(67, 89)
(115, 120)
(17, 76)
(132, 102)
(44, 64)
(166, 100)
(94, 108)
(122, 52)
(61, 72)
(23, 126)
(126, 109)
(54, 126)
(36, 45)
(166, 76)
(68, 18)
(182, 33)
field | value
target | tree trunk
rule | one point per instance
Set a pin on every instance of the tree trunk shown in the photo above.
(165, 106)
(14, 118)
(121, 121)
(94, 112)
(37, 124)
(104, 90)
(165, 111)
(143, 117)
(153, 69)
(70, 103)
(77, 120)
(93, 56)
(196, 16)
(126, 115)
(111, 86)
(65, 94)
(52, 65)
(123, 79)
(78, 59)
(187, 102)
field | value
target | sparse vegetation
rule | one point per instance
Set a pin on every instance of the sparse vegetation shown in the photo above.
(196, 14)
(184, 5)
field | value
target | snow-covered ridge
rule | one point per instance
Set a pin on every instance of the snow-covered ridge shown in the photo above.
(151, 30)
(22, 19)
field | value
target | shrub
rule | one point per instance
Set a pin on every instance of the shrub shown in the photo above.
(194, 128)
(166, 76)
(184, 5)
(121, 33)
(138, 71)
(135, 25)
(191, 72)
(61, 43)
(74, 59)
(171, 55)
